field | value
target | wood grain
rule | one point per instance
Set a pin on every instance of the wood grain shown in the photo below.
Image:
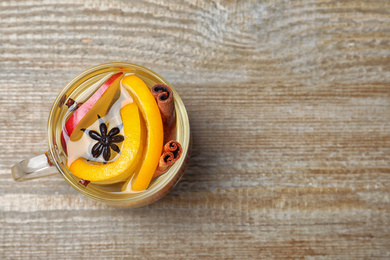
(289, 105)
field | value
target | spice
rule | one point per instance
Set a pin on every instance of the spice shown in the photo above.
(72, 104)
(62, 101)
(171, 153)
(84, 182)
(106, 142)
(164, 98)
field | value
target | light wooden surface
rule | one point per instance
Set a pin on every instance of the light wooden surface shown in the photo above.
(289, 103)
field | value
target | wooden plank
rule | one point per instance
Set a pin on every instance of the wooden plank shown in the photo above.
(289, 106)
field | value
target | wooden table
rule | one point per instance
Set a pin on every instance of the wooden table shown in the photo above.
(289, 103)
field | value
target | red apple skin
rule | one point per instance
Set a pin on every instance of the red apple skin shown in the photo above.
(81, 112)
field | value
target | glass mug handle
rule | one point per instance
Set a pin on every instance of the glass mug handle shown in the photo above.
(33, 168)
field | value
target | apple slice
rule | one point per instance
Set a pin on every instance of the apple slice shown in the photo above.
(77, 119)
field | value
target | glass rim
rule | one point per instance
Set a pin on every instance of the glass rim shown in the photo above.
(167, 178)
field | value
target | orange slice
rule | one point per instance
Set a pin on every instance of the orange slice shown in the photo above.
(154, 128)
(130, 155)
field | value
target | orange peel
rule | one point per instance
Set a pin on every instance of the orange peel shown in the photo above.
(154, 137)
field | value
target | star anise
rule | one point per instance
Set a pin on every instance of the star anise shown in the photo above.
(106, 142)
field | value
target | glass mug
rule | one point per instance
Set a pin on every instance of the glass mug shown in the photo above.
(54, 160)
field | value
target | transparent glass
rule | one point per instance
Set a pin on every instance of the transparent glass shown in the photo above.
(54, 160)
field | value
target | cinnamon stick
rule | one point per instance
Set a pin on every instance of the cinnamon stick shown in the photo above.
(73, 105)
(164, 98)
(171, 153)
(84, 182)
